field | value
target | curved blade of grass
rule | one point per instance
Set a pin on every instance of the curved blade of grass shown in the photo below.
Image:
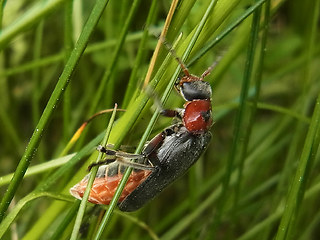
(40, 168)
(59, 57)
(93, 174)
(77, 134)
(52, 104)
(13, 214)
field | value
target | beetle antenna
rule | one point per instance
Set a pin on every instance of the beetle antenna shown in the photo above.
(208, 71)
(174, 54)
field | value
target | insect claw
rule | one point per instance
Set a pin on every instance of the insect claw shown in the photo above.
(100, 148)
(91, 166)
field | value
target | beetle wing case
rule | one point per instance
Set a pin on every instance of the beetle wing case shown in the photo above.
(177, 154)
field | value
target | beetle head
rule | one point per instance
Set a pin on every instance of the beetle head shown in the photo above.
(192, 87)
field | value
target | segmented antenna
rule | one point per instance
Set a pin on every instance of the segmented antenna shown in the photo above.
(183, 66)
(208, 71)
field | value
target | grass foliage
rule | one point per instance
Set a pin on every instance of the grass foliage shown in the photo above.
(61, 61)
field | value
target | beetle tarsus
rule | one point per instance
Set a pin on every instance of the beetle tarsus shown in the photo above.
(100, 163)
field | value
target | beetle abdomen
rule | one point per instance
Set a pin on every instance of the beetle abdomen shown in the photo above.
(106, 182)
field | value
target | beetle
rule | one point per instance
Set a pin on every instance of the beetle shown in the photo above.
(165, 158)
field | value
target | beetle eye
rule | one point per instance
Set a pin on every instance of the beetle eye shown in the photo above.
(196, 90)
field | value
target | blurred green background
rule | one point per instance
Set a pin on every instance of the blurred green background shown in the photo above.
(258, 178)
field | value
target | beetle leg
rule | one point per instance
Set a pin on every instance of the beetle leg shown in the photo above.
(100, 163)
(154, 145)
(208, 71)
(111, 152)
(164, 112)
(150, 150)
(124, 162)
(178, 113)
(154, 160)
(121, 157)
(135, 165)
(122, 147)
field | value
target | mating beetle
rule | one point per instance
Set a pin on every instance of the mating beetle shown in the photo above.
(165, 158)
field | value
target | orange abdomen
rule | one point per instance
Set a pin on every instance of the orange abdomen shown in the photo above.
(103, 188)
